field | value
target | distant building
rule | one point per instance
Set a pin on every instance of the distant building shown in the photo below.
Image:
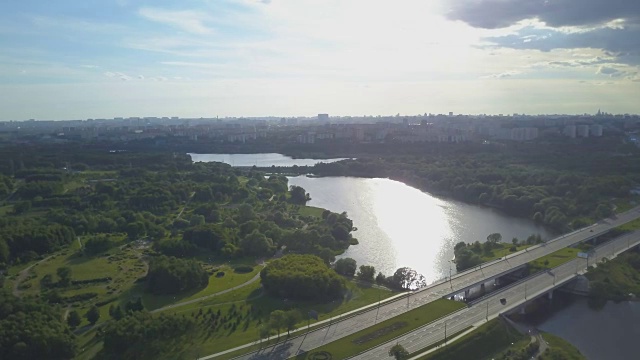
(596, 130)
(451, 113)
(570, 131)
(323, 117)
(524, 134)
(582, 131)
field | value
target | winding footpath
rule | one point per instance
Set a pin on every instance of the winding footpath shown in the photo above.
(188, 302)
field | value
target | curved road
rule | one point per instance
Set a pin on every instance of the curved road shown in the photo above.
(435, 291)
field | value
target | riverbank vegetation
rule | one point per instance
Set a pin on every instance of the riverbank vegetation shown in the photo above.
(471, 255)
(617, 279)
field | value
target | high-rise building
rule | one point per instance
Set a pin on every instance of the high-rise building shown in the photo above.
(323, 117)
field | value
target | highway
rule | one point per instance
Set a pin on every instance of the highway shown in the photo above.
(354, 323)
(490, 307)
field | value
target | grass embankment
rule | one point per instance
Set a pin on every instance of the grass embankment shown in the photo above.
(489, 340)
(245, 309)
(559, 349)
(615, 279)
(630, 226)
(554, 259)
(386, 330)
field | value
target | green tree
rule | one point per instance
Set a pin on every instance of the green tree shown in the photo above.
(277, 320)
(74, 319)
(494, 238)
(93, 315)
(346, 266)
(366, 273)
(291, 318)
(398, 352)
(299, 196)
(64, 275)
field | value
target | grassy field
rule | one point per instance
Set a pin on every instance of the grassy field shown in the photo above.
(560, 349)
(249, 307)
(310, 211)
(386, 330)
(485, 342)
(502, 251)
(554, 259)
(216, 284)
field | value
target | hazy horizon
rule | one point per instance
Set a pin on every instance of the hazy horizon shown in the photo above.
(247, 58)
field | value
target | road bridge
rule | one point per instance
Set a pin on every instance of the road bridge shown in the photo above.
(515, 296)
(342, 326)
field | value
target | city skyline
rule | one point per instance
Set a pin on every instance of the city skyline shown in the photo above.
(283, 58)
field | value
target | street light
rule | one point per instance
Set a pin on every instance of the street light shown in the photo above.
(487, 311)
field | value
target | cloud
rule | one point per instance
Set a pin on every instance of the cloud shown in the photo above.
(90, 66)
(186, 20)
(610, 71)
(492, 14)
(118, 75)
(623, 44)
(503, 75)
(141, 77)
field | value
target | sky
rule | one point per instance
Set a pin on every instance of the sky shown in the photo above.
(78, 59)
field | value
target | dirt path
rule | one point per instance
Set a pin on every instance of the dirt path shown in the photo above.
(23, 275)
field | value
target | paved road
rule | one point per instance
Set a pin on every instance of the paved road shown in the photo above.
(435, 291)
(490, 307)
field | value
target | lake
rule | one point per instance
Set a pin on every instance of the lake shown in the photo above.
(609, 333)
(399, 225)
(259, 160)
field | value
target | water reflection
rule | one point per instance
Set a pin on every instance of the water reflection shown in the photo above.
(402, 226)
(260, 160)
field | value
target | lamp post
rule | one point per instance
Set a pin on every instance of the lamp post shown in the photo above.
(450, 283)
(445, 333)
(487, 317)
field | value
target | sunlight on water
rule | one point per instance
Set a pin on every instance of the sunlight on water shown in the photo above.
(402, 226)
(416, 222)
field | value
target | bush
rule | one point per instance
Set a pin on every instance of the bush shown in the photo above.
(303, 277)
(243, 269)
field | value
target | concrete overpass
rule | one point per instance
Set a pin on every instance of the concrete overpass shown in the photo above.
(347, 324)
(516, 296)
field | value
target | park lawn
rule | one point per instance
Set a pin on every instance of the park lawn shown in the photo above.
(124, 266)
(311, 211)
(485, 342)
(216, 284)
(502, 251)
(559, 348)
(554, 259)
(252, 299)
(386, 330)
(6, 209)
